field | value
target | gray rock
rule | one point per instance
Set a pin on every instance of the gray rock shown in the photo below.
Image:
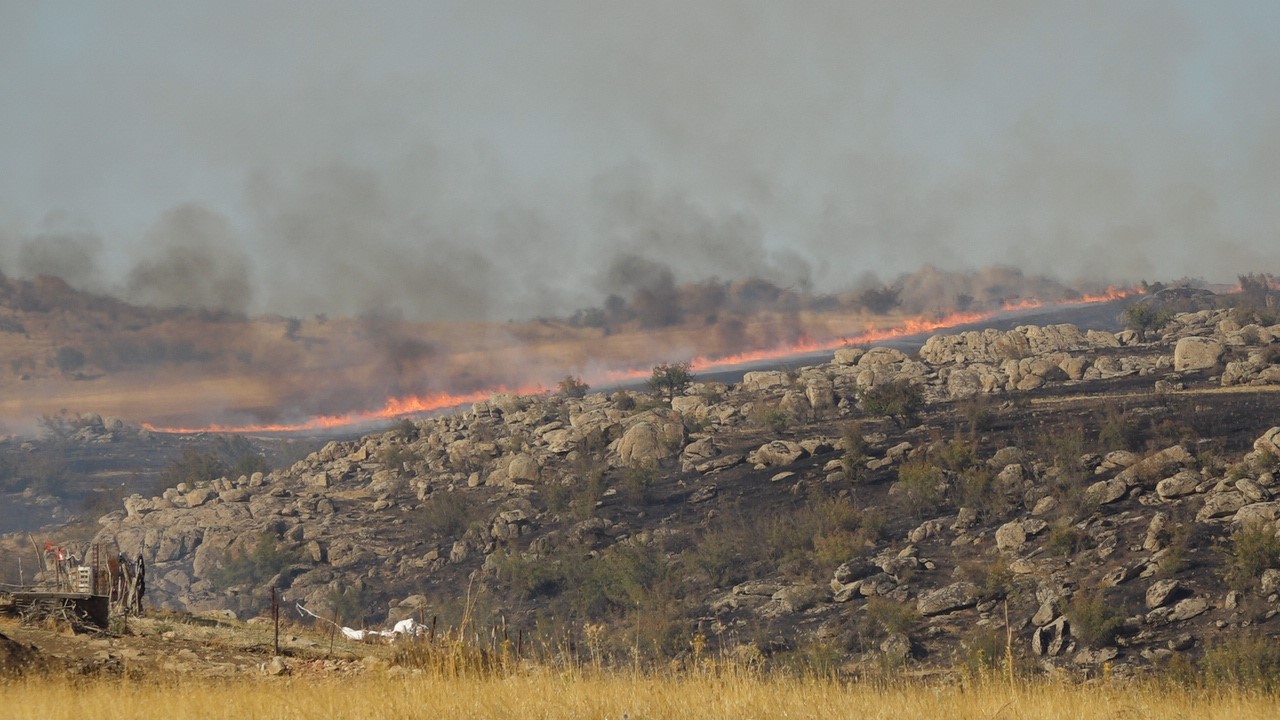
(853, 570)
(198, 497)
(1196, 353)
(1157, 465)
(1220, 505)
(1269, 444)
(777, 452)
(276, 666)
(523, 468)
(1184, 483)
(1105, 492)
(1189, 608)
(1011, 536)
(1051, 639)
(955, 596)
(1162, 592)
(1252, 491)
(1270, 581)
(1263, 512)
(764, 380)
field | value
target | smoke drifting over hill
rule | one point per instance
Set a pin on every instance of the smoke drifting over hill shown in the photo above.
(485, 161)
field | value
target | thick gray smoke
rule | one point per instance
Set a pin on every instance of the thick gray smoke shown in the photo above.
(72, 256)
(192, 260)
(504, 159)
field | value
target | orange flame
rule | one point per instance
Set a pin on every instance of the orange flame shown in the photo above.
(400, 407)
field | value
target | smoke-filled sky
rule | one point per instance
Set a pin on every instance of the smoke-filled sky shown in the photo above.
(489, 160)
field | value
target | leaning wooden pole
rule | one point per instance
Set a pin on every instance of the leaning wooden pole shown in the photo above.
(39, 555)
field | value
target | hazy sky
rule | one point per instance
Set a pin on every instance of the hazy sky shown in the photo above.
(495, 159)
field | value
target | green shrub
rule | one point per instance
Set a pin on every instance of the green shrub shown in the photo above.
(856, 453)
(921, 488)
(446, 515)
(353, 604)
(769, 417)
(1066, 539)
(587, 492)
(983, 650)
(1178, 539)
(395, 456)
(1248, 660)
(899, 400)
(977, 488)
(194, 467)
(1119, 431)
(956, 455)
(531, 577)
(1146, 317)
(571, 386)
(267, 559)
(249, 464)
(1095, 621)
(993, 578)
(978, 413)
(638, 482)
(891, 617)
(1254, 548)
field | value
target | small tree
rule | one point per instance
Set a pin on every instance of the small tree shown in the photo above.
(1145, 317)
(900, 400)
(572, 387)
(670, 379)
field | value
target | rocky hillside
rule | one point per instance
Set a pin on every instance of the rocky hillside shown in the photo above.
(1109, 498)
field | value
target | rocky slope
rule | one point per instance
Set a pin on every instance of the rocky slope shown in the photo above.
(1111, 499)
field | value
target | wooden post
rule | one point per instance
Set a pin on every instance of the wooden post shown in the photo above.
(275, 616)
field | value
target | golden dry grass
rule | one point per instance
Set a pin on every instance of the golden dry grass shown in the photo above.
(576, 695)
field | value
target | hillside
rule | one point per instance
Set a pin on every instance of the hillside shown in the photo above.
(1111, 497)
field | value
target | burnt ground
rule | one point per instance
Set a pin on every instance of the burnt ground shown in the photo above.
(690, 516)
(1061, 418)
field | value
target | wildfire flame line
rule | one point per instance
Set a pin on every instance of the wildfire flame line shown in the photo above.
(432, 402)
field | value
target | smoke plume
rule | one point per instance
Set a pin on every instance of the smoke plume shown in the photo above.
(506, 160)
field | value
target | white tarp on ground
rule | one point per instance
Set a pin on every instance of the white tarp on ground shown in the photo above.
(407, 628)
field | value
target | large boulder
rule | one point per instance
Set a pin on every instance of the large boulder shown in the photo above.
(1268, 444)
(1157, 465)
(642, 444)
(1196, 353)
(765, 379)
(523, 468)
(848, 356)
(1011, 536)
(778, 452)
(1221, 504)
(955, 596)
(881, 356)
(1183, 483)
(652, 436)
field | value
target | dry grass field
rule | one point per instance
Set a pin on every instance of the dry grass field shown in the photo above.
(610, 695)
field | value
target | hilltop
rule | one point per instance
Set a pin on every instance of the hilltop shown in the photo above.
(65, 349)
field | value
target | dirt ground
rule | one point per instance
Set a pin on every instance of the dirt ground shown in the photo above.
(171, 644)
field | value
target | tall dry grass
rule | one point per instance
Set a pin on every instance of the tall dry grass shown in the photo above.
(552, 695)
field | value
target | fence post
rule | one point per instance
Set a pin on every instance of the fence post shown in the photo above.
(275, 616)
